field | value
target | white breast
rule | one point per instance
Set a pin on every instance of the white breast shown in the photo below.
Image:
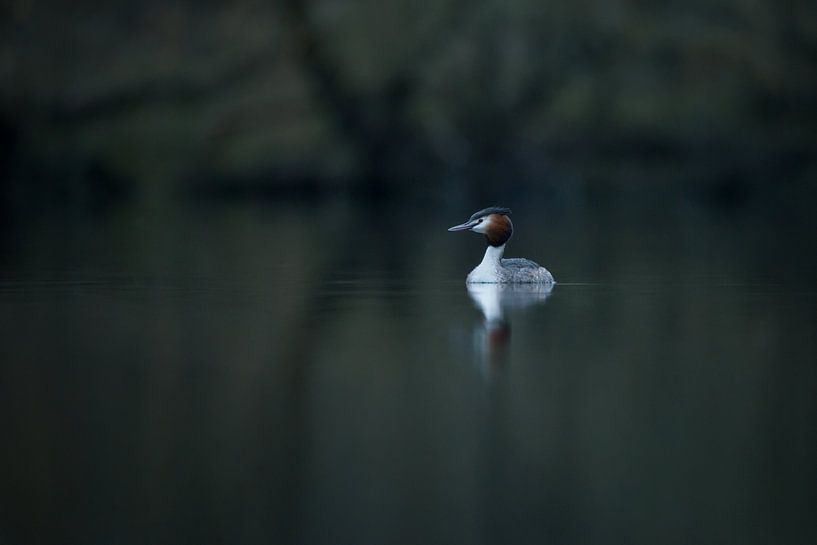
(485, 273)
(494, 270)
(489, 271)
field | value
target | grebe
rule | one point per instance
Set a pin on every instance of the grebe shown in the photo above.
(495, 224)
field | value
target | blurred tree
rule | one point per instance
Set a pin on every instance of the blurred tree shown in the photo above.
(374, 98)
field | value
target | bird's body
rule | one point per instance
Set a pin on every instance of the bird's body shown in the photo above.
(495, 224)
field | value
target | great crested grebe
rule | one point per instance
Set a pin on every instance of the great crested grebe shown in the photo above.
(495, 224)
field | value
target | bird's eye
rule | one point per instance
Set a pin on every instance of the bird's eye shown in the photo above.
(480, 221)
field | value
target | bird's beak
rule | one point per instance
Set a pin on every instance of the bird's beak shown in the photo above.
(463, 226)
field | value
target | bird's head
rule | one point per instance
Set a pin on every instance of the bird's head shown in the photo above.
(492, 222)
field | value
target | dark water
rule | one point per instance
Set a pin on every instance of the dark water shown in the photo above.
(322, 375)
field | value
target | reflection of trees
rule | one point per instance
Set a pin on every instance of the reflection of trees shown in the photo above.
(190, 402)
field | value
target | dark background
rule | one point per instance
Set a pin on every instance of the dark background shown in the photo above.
(450, 102)
(230, 311)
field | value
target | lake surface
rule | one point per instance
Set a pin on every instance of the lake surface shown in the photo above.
(321, 374)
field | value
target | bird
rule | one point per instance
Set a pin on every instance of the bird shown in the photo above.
(494, 222)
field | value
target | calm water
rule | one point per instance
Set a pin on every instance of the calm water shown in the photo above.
(322, 375)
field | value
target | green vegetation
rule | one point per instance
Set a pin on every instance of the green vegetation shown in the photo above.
(379, 97)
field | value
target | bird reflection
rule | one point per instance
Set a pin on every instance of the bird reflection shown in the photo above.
(492, 340)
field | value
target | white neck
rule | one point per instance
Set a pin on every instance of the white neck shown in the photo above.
(489, 270)
(493, 255)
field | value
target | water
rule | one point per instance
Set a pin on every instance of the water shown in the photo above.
(322, 375)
